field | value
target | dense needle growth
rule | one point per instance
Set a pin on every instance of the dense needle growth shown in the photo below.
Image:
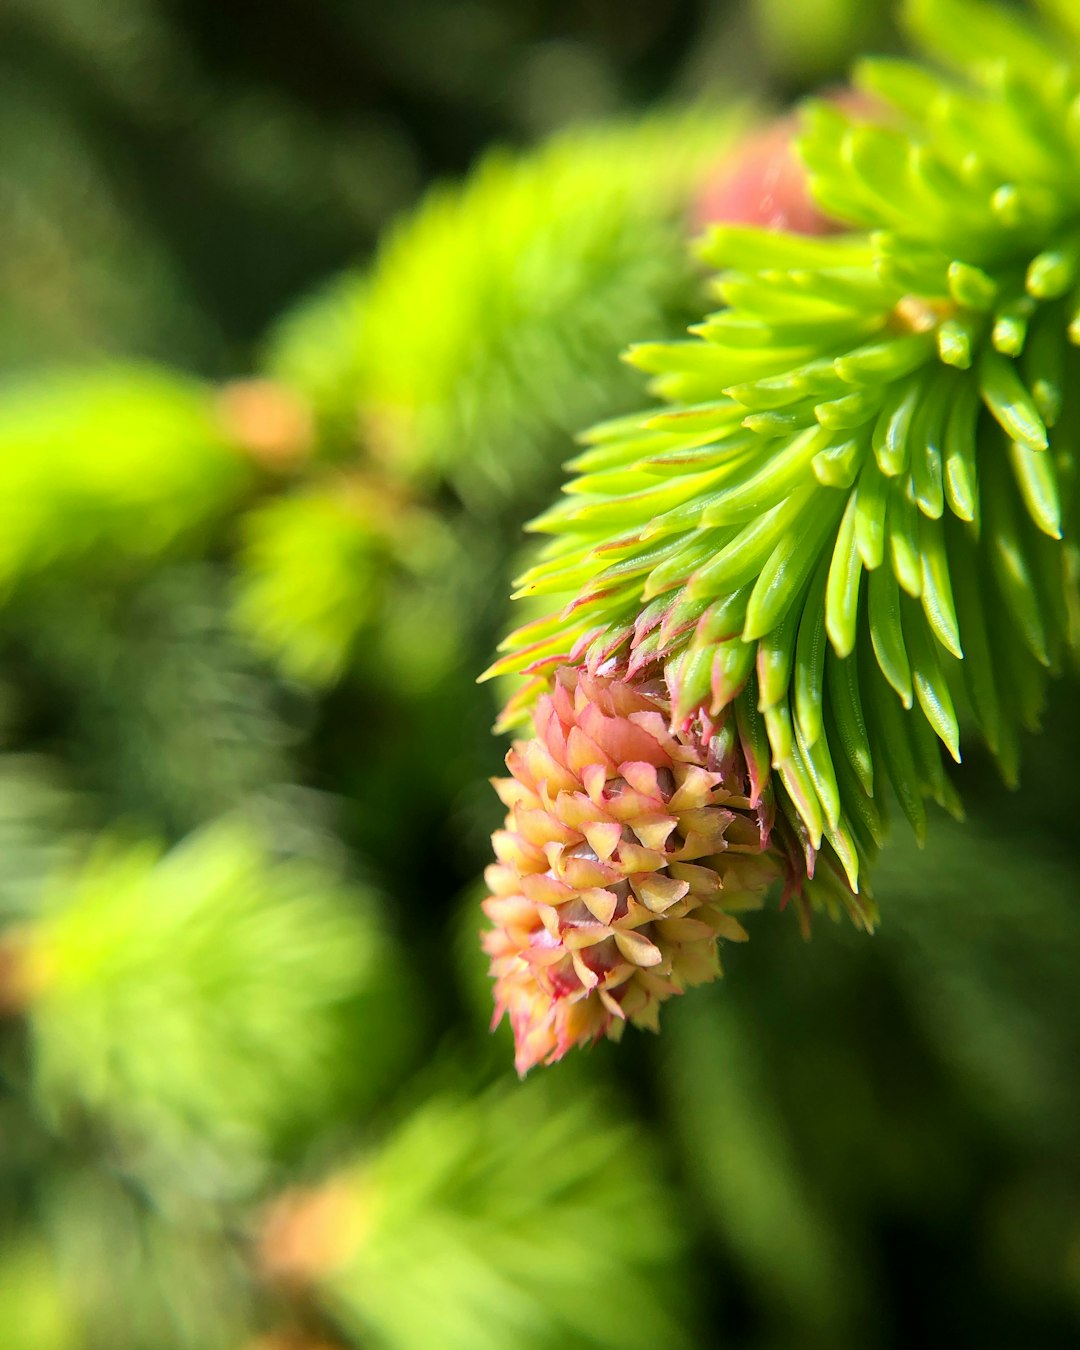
(845, 529)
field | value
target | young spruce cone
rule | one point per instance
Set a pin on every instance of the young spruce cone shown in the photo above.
(626, 852)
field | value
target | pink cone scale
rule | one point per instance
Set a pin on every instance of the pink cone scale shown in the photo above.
(627, 852)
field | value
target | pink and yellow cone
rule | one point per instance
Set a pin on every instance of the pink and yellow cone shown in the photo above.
(625, 855)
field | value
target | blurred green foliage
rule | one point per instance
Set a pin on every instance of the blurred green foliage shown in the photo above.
(495, 1221)
(112, 461)
(205, 1000)
(247, 1097)
(490, 317)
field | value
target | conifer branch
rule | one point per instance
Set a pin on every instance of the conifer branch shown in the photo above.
(847, 523)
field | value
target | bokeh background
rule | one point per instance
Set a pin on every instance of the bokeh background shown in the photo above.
(273, 409)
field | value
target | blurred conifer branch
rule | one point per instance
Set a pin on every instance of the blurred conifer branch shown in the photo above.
(203, 1002)
(124, 462)
(491, 317)
(495, 1219)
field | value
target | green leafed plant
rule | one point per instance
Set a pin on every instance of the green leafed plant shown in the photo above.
(512, 1219)
(192, 1003)
(845, 532)
(123, 461)
(486, 329)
